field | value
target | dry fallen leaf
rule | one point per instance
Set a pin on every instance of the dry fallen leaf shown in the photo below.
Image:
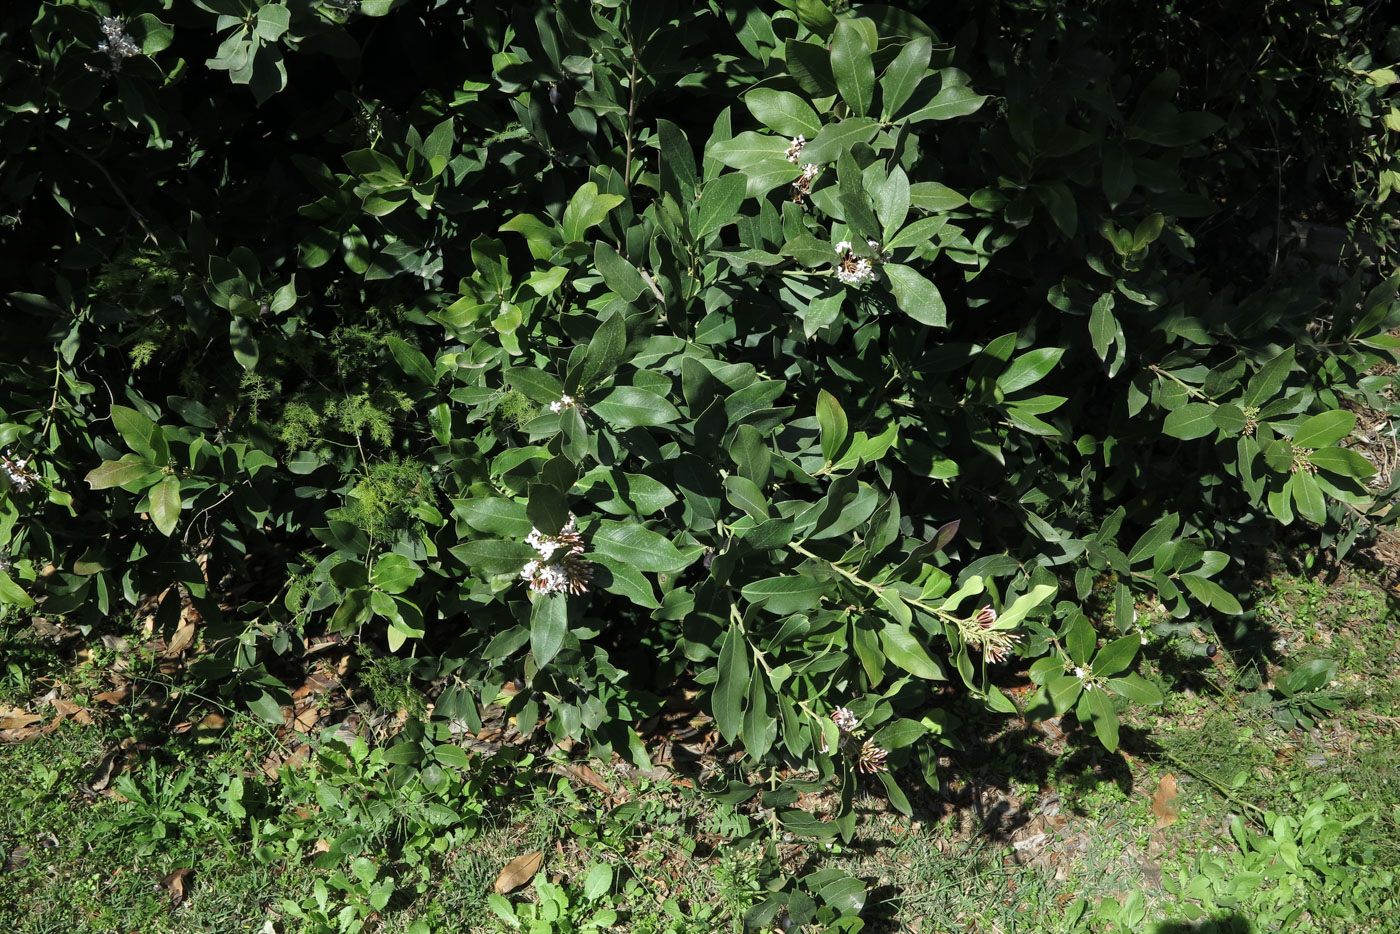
(12, 718)
(1164, 802)
(70, 709)
(584, 774)
(181, 640)
(306, 719)
(107, 768)
(175, 883)
(518, 871)
(112, 697)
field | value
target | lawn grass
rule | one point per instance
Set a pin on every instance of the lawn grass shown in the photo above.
(1034, 829)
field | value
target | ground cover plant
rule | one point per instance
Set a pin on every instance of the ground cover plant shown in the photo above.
(820, 378)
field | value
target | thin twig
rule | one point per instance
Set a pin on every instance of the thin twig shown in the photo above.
(631, 114)
(131, 208)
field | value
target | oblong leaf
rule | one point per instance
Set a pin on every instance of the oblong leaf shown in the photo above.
(1193, 420)
(631, 406)
(638, 547)
(1324, 428)
(165, 504)
(783, 112)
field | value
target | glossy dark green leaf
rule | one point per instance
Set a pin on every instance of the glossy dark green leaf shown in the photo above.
(917, 296)
(785, 594)
(1096, 709)
(1029, 368)
(165, 504)
(903, 75)
(853, 66)
(783, 112)
(950, 102)
(1136, 689)
(491, 557)
(1192, 420)
(1307, 495)
(11, 593)
(1324, 428)
(904, 649)
(619, 274)
(1117, 655)
(1343, 461)
(719, 203)
(624, 580)
(630, 406)
(732, 683)
(549, 624)
(831, 420)
(639, 547)
(124, 470)
(1270, 378)
(836, 138)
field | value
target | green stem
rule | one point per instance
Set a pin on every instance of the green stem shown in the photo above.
(1190, 390)
(874, 588)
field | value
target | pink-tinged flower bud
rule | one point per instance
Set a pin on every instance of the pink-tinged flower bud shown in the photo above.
(872, 758)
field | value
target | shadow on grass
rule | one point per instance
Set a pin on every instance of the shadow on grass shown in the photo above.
(1232, 923)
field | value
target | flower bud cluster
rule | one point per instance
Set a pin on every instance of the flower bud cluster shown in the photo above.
(18, 470)
(802, 187)
(850, 740)
(794, 152)
(118, 45)
(857, 270)
(561, 567)
(980, 632)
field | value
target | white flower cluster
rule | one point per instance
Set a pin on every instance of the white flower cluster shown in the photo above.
(794, 152)
(18, 470)
(802, 187)
(868, 757)
(856, 270)
(561, 567)
(118, 45)
(567, 402)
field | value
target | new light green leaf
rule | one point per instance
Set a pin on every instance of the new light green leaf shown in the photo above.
(587, 208)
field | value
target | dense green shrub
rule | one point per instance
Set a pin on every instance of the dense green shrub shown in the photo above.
(421, 299)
